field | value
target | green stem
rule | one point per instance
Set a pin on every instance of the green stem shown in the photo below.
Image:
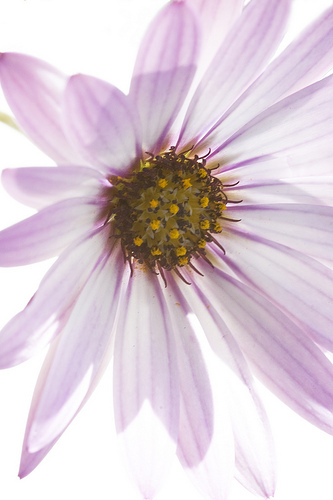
(8, 120)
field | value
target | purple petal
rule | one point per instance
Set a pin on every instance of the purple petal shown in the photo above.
(38, 187)
(82, 348)
(102, 123)
(299, 127)
(34, 91)
(146, 393)
(306, 60)
(48, 232)
(251, 42)
(287, 361)
(252, 435)
(299, 285)
(164, 70)
(205, 443)
(44, 316)
(306, 228)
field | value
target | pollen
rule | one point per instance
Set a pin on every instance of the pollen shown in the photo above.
(155, 224)
(153, 203)
(202, 173)
(217, 227)
(202, 243)
(182, 261)
(204, 224)
(138, 241)
(174, 209)
(155, 251)
(186, 183)
(204, 202)
(181, 251)
(174, 234)
(163, 183)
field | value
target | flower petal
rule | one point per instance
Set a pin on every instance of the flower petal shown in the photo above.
(252, 435)
(34, 91)
(306, 228)
(38, 187)
(205, 443)
(164, 70)
(251, 42)
(146, 392)
(304, 61)
(48, 232)
(35, 326)
(83, 345)
(299, 127)
(102, 123)
(299, 285)
(281, 355)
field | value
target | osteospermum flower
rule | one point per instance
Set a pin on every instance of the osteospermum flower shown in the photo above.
(161, 213)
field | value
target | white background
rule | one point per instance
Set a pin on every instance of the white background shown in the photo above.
(100, 37)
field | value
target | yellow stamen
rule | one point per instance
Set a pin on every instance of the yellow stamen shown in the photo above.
(186, 183)
(182, 261)
(155, 224)
(180, 251)
(204, 224)
(217, 227)
(153, 203)
(174, 208)
(174, 234)
(162, 183)
(155, 251)
(138, 241)
(204, 202)
(201, 243)
(202, 172)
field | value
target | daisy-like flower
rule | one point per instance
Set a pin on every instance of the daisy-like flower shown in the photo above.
(165, 215)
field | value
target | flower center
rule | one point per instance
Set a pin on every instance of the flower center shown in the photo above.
(168, 211)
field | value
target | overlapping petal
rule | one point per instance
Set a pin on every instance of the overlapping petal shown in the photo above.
(164, 70)
(34, 89)
(82, 347)
(38, 187)
(48, 232)
(103, 124)
(45, 315)
(281, 355)
(146, 390)
(251, 42)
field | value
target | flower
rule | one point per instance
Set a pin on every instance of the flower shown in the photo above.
(222, 217)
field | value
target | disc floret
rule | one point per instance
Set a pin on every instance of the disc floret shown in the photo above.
(167, 211)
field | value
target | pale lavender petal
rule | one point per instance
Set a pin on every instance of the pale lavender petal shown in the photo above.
(35, 326)
(103, 124)
(245, 52)
(304, 190)
(299, 128)
(205, 442)
(146, 391)
(306, 228)
(48, 232)
(216, 17)
(281, 355)
(299, 285)
(306, 60)
(38, 187)
(164, 70)
(34, 91)
(83, 345)
(255, 457)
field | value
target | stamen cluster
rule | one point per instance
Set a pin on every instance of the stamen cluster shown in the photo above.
(166, 212)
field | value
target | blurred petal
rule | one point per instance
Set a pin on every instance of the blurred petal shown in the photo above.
(39, 187)
(205, 443)
(303, 62)
(146, 392)
(306, 228)
(251, 42)
(35, 326)
(81, 349)
(299, 127)
(255, 457)
(164, 70)
(34, 91)
(301, 286)
(48, 232)
(102, 123)
(281, 355)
